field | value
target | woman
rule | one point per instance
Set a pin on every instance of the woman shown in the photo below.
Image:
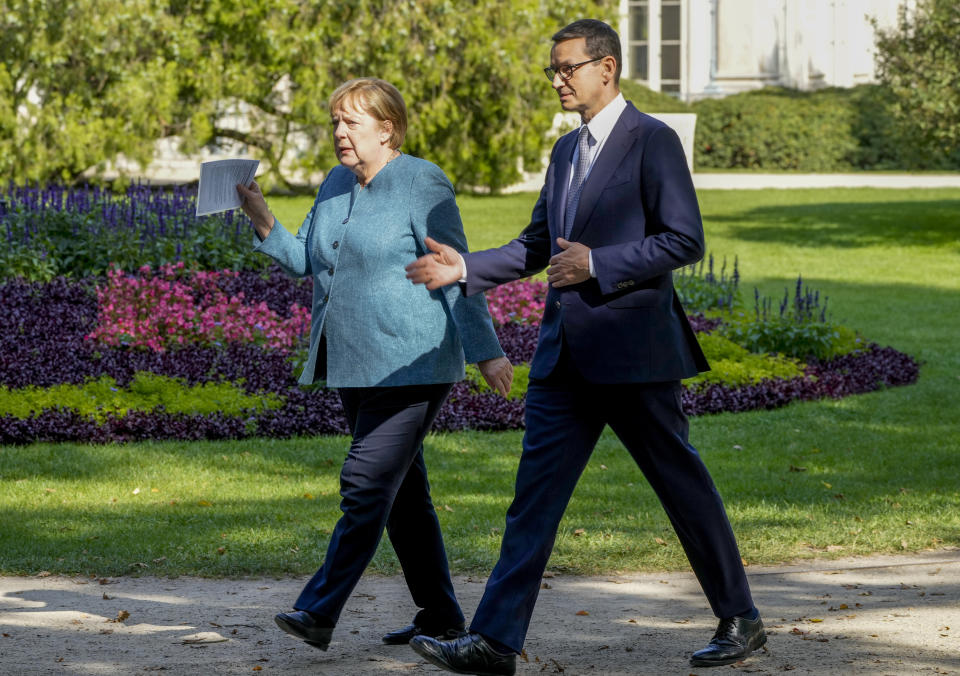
(391, 348)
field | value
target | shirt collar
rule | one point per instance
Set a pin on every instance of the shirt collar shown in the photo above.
(602, 123)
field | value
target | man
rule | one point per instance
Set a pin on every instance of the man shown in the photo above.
(616, 215)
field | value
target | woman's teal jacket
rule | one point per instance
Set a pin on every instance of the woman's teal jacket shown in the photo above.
(379, 328)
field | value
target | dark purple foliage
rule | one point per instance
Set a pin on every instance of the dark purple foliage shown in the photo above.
(42, 330)
(466, 408)
(518, 340)
(855, 373)
(703, 324)
(42, 343)
(272, 286)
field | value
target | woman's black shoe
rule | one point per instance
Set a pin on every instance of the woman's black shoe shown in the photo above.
(306, 627)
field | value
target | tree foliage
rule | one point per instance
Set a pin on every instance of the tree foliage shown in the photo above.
(919, 59)
(80, 82)
(83, 81)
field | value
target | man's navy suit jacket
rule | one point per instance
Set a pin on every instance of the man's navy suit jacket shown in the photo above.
(638, 213)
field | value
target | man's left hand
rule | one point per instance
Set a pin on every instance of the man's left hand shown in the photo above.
(570, 266)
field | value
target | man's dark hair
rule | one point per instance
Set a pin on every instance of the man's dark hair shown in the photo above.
(601, 40)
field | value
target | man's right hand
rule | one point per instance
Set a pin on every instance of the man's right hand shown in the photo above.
(441, 267)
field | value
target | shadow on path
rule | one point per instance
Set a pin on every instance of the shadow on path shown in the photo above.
(877, 615)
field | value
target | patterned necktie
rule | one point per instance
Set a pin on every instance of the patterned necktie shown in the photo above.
(579, 171)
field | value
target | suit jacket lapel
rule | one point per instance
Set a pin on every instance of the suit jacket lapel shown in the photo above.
(561, 176)
(613, 152)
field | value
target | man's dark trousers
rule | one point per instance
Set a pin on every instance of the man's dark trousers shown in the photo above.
(564, 418)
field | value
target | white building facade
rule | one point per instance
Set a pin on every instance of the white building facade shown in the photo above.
(696, 49)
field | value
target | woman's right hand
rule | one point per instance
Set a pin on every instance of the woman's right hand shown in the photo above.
(255, 207)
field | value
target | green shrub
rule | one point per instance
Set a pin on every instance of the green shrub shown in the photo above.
(521, 378)
(145, 392)
(701, 290)
(796, 326)
(80, 231)
(731, 364)
(649, 101)
(774, 129)
(28, 263)
(833, 129)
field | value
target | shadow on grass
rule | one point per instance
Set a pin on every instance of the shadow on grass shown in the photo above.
(848, 224)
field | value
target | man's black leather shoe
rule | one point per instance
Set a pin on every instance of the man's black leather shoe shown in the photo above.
(403, 636)
(735, 639)
(469, 654)
(302, 624)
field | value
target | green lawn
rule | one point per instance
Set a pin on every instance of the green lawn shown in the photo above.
(877, 472)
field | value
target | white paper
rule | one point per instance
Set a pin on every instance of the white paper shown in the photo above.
(218, 184)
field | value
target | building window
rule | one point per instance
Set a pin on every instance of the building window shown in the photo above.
(639, 40)
(654, 43)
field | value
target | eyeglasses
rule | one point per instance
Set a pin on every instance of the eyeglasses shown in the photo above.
(566, 72)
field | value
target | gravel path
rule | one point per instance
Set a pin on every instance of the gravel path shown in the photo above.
(893, 615)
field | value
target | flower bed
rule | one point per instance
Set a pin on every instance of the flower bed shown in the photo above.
(202, 327)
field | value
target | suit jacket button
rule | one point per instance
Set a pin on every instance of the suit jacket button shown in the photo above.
(557, 305)
(326, 298)
(336, 244)
(330, 272)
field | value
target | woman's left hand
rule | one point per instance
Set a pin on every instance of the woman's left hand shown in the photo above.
(498, 373)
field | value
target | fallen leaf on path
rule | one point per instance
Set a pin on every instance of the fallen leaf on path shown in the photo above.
(577, 533)
(122, 616)
(204, 637)
(582, 612)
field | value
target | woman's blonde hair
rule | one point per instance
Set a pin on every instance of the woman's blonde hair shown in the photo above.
(378, 98)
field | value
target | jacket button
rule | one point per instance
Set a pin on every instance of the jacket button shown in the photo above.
(557, 305)
(336, 244)
(326, 298)
(330, 272)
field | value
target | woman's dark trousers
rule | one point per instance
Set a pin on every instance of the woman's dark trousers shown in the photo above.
(383, 482)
